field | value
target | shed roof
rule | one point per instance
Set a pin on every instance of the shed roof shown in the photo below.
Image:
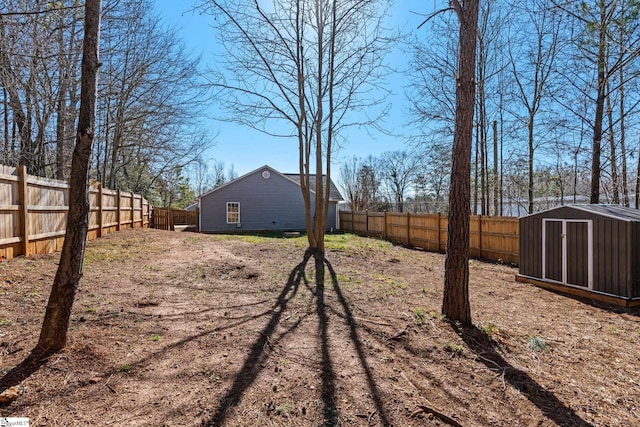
(622, 213)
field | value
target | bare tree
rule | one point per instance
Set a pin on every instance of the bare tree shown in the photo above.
(146, 129)
(399, 171)
(308, 64)
(488, 66)
(531, 61)
(39, 87)
(432, 78)
(218, 173)
(455, 304)
(432, 185)
(351, 184)
(53, 335)
(359, 180)
(596, 65)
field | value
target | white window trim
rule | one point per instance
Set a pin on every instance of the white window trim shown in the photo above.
(227, 213)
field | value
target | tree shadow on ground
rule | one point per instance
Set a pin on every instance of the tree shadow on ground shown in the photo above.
(31, 364)
(328, 394)
(550, 406)
(251, 367)
(353, 334)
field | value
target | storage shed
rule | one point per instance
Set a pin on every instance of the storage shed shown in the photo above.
(586, 250)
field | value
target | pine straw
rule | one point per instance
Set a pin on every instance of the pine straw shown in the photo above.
(184, 329)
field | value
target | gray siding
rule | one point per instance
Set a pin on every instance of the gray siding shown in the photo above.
(273, 204)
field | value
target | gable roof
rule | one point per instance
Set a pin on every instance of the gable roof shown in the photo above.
(293, 177)
(622, 213)
(614, 211)
(334, 193)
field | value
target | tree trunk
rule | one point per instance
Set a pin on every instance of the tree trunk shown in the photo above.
(53, 335)
(613, 151)
(475, 171)
(623, 147)
(530, 192)
(5, 116)
(597, 123)
(455, 304)
(496, 168)
(318, 226)
(637, 201)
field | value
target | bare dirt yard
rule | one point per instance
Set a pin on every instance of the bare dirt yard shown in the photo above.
(181, 329)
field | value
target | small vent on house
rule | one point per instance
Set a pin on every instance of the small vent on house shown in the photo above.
(266, 174)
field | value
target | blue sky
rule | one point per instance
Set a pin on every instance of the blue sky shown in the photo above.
(247, 149)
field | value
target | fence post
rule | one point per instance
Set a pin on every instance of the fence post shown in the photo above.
(100, 212)
(23, 194)
(439, 232)
(353, 227)
(479, 236)
(118, 212)
(408, 229)
(366, 221)
(133, 209)
(198, 219)
(140, 212)
(384, 226)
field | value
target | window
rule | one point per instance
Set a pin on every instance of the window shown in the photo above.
(233, 212)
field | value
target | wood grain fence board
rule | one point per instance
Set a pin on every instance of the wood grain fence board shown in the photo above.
(10, 226)
(168, 218)
(490, 238)
(33, 212)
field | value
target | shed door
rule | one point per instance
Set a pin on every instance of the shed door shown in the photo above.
(552, 253)
(567, 254)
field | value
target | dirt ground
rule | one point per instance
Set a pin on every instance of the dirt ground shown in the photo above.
(181, 329)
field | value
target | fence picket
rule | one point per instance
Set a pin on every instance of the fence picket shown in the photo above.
(33, 212)
(168, 218)
(492, 238)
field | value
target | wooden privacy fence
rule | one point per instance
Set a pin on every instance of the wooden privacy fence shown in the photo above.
(33, 212)
(491, 238)
(168, 218)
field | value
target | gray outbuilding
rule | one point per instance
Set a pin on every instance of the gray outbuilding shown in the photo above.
(585, 250)
(261, 201)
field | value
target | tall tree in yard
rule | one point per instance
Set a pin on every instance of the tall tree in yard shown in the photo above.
(455, 304)
(53, 335)
(308, 64)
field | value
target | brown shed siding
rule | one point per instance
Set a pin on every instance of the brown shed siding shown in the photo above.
(531, 245)
(609, 256)
(634, 260)
(578, 253)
